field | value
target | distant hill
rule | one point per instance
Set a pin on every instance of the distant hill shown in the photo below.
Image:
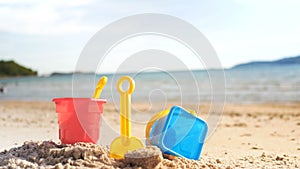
(60, 74)
(68, 73)
(280, 62)
(11, 68)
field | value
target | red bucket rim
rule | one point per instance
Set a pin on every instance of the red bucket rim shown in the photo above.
(81, 99)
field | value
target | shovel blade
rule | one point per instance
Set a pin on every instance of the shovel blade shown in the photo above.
(120, 146)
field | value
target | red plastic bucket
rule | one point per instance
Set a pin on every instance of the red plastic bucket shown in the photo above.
(79, 119)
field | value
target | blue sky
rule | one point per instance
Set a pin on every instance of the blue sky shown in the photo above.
(49, 35)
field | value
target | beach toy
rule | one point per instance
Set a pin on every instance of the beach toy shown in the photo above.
(100, 85)
(152, 121)
(157, 117)
(79, 118)
(177, 132)
(125, 142)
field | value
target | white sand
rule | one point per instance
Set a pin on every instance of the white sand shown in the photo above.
(248, 135)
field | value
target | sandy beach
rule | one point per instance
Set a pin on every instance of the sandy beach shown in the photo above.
(248, 135)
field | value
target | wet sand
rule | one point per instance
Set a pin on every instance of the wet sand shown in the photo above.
(248, 135)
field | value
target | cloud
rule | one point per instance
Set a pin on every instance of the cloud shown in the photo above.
(239, 30)
(47, 17)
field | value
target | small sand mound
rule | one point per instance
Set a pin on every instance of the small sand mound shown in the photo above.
(48, 154)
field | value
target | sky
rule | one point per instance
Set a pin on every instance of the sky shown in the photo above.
(49, 36)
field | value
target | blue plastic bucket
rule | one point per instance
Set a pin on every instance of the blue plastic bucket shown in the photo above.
(179, 133)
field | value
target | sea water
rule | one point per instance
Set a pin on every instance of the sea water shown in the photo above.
(244, 85)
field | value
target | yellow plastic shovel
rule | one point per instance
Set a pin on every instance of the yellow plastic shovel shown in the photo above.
(100, 85)
(125, 142)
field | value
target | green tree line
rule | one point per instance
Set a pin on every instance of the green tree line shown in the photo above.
(11, 68)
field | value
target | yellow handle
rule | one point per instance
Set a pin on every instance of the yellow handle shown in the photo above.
(125, 105)
(152, 121)
(100, 85)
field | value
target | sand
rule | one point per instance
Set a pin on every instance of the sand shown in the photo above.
(248, 136)
(48, 154)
